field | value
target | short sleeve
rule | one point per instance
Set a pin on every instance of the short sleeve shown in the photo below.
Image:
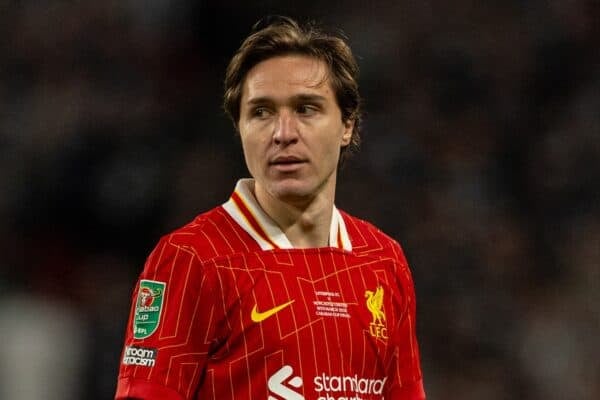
(171, 327)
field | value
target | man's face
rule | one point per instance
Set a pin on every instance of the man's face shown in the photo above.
(291, 128)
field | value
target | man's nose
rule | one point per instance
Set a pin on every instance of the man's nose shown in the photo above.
(286, 128)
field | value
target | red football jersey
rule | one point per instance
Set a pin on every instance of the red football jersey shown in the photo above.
(226, 308)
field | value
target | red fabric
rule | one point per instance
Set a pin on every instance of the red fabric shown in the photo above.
(413, 391)
(128, 388)
(328, 342)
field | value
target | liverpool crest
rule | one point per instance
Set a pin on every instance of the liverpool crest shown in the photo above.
(377, 328)
(148, 308)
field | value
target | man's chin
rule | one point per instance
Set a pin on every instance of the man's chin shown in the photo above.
(292, 191)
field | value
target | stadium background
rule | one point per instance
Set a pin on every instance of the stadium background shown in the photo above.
(481, 148)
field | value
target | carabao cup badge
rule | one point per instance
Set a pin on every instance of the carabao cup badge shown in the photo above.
(148, 308)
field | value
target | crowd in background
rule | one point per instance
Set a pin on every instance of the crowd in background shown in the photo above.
(481, 149)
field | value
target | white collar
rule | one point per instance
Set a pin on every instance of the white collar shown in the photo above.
(245, 210)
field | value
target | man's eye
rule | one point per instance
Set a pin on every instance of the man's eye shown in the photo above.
(260, 112)
(306, 109)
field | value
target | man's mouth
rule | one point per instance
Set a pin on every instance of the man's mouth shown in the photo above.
(287, 164)
(286, 160)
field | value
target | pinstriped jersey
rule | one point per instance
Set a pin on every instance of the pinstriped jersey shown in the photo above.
(227, 308)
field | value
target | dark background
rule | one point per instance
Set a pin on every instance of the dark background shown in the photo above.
(480, 155)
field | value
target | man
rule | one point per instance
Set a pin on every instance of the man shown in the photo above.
(277, 294)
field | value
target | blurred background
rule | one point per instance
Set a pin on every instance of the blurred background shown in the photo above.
(481, 156)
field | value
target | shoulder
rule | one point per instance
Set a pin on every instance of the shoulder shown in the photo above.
(206, 236)
(366, 233)
(367, 238)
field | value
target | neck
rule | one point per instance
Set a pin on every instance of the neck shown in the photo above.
(305, 222)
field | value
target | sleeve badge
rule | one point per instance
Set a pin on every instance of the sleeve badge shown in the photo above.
(148, 308)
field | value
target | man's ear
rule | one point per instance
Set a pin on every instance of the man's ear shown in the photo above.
(347, 134)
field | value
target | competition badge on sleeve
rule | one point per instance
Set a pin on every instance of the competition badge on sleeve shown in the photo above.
(148, 308)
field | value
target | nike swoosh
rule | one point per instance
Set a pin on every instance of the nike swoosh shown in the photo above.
(261, 316)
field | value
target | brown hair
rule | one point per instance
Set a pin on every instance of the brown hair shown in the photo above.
(276, 36)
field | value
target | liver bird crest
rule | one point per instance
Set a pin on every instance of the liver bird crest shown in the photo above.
(375, 305)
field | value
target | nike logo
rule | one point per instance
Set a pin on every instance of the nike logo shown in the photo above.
(257, 316)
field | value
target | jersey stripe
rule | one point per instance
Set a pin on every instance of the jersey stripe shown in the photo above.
(243, 208)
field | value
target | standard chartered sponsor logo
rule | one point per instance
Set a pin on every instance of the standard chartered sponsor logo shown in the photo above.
(327, 387)
(140, 356)
(277, 384)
